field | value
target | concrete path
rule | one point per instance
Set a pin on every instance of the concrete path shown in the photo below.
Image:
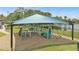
(5, 42)
(4, 32)
(70, 38)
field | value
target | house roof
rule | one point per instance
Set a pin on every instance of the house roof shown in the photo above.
(35, 19)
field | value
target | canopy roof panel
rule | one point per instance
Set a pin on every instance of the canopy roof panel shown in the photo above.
(35, 19)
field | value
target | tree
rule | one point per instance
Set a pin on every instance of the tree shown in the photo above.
(65, 17)
(19, 9)
(75, 20)
(47, 14)
(2, 17)
(60, 17)
(22, 12)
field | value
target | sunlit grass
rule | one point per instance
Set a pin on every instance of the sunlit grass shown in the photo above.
(68, 47)
(2, 34)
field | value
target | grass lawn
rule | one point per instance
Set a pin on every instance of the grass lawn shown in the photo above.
(66, 33)
(2, 34)
(70, 47)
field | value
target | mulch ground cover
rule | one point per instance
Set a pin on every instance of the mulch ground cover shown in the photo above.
(36, 41)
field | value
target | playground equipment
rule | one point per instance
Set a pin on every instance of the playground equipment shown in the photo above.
(37, 19)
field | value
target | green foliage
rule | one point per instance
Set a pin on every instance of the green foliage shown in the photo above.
(76, 21)
(14, 16)
(65, 17)
(18, 14)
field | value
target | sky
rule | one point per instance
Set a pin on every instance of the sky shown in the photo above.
(71, 12)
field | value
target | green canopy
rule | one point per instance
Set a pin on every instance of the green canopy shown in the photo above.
(35, 19)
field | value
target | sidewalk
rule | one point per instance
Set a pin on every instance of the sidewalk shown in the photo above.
(5, 41)
(70, 38)
(2, 30)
